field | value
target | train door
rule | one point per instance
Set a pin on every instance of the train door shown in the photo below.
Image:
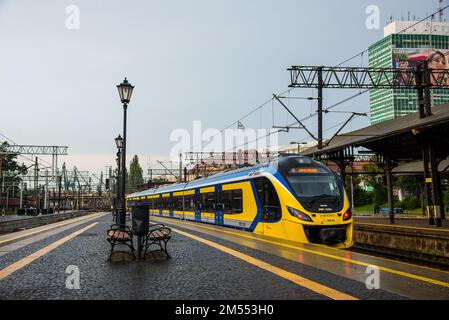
(171, 205)
(219, 220)
(197, 205)
(271, 211)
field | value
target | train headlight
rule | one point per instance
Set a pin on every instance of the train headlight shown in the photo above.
(347, 215)
(300, 215)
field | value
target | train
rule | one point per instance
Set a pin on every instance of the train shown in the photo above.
(291, 198)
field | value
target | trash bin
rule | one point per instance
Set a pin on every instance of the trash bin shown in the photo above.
(140, 226)
(140, 220)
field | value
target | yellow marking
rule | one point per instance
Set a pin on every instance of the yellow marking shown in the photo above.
(178, 194)
(189, 193)
(34, 256)
(27, 235)
(385, 269)
(429, 180)
(166, 195)
(207, 190)
(303, 282)
(397, 226)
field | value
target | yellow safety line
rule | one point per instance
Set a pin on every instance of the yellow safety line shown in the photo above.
(398, 226)
(51, 227)
(385, 269)
(34, 256)
(303, 282)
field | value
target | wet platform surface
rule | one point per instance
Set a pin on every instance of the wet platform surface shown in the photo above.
(209, 263)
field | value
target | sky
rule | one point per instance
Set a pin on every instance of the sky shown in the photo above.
(199, 60)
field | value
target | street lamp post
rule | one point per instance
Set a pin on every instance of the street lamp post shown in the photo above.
(125, 90)
(119, 144)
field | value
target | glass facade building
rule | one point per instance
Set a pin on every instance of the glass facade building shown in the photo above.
(394, 103)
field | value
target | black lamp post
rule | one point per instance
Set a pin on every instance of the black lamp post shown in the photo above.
(119, 144)
(125, 90)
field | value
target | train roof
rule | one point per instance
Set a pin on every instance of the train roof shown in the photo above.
(224, 175)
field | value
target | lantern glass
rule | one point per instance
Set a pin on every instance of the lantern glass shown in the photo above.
(125, 91)
(119, 142)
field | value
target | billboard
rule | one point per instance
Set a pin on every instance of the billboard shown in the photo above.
(404, 59)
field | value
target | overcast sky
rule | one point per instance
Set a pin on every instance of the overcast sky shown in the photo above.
(208, 60)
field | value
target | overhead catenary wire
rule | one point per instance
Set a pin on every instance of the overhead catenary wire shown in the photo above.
(361, 54)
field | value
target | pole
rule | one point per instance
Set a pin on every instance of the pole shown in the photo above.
(118, 187)
(46, 191)
(420, 89)
(59, 193)
(436, 195)
(123, 182)
(320, 107)
(36, 190)
(388, 168)
(180, 167)
(352, 194)
(21, 193)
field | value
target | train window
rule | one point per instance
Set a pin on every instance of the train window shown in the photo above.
(189, 203)
(207, 202)
(179, 205)
(268, 199)
(232, 202)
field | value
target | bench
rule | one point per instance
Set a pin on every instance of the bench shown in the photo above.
(158, 235)
(116, 236)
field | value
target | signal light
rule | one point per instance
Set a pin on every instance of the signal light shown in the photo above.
(300, 215)
(347, 215)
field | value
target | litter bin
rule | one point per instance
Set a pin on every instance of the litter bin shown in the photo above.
(141, 220)
(140, 225)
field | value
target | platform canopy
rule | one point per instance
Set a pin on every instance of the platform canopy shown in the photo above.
(400, 138)
(417, 168)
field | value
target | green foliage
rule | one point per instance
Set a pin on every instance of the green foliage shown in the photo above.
(135, 176)
(408, 203)
(410, 184)
(446, 198)
(378, 182)
(361, 197)
(9, 164)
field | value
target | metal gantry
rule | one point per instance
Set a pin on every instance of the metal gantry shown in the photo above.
(422, 79)
(364, 78)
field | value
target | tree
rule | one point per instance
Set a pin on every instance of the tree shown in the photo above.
(378, 182)
(135, 177)
(9, 166)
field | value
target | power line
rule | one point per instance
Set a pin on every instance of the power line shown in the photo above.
(260, 107)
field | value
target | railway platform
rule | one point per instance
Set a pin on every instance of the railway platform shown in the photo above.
(69, 261)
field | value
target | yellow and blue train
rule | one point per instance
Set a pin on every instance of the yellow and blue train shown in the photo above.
(292, 198)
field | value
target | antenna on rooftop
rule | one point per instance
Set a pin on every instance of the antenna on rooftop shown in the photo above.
(441, 9)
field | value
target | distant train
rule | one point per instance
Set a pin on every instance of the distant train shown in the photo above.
(293, 198)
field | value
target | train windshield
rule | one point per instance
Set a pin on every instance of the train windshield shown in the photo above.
(313, 183)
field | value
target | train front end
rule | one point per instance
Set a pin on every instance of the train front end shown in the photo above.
(316, 206)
